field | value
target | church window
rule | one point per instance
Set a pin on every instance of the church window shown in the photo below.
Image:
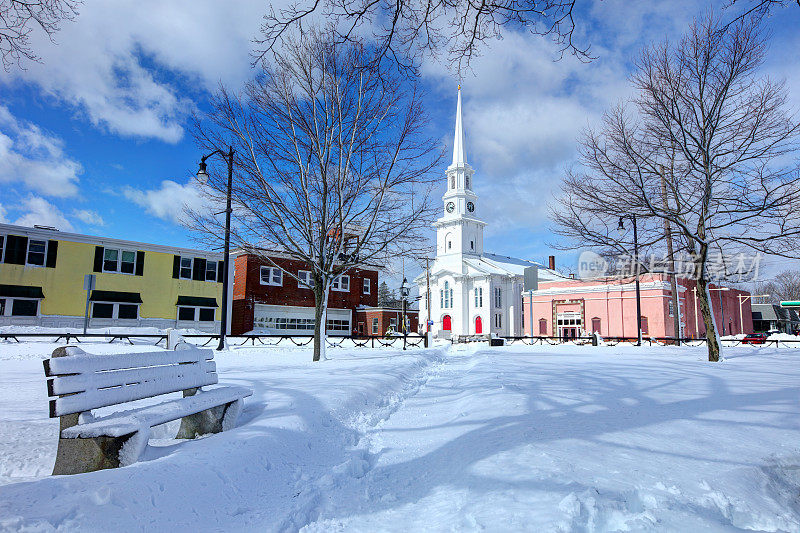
(449, 244)
(467, 178)
(472, 247)
(441, 297)
(498, 297)
(479, 297)
(498, 320)
(452, 182)
(447, 296)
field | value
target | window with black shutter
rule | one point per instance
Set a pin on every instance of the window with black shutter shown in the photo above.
(52, 254)
(98, 259)
(16, 249)
(140, 263)
(199, 269)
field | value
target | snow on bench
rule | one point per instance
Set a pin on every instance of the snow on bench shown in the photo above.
(80, 382)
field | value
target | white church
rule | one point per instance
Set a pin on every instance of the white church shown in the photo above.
(472, 292)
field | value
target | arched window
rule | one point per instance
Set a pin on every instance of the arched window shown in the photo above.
(596, 325)
(542, 326)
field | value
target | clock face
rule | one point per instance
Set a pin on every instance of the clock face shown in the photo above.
(470, 207)
(450, 207)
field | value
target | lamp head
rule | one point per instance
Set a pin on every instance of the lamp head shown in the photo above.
(621, 226)
(202, 173)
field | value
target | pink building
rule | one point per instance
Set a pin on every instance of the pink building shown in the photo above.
(571, 307)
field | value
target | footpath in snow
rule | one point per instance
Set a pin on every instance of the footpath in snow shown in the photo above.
(565, 438)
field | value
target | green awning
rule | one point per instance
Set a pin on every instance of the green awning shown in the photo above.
(197, 301)
(21, 291)
(116, 296)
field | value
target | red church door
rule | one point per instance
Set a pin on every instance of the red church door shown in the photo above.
(478, 326)
(446, 323)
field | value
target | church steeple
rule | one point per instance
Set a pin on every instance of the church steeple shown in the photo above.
(459, 154)
(459, 231)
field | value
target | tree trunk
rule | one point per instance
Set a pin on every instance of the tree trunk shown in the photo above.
(704, 301)
(320, 314)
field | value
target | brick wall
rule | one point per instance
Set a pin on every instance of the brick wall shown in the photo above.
(248, 290)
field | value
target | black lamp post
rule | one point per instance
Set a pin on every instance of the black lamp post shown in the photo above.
(202, 177)
(404, 291)
(636, 263)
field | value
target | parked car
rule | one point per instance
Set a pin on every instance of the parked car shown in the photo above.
(755, 338)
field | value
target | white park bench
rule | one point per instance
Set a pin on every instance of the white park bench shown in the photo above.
(80, 382)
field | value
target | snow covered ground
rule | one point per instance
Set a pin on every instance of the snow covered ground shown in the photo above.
(562, 438)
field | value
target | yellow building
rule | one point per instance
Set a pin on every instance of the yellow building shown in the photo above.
(42, 274)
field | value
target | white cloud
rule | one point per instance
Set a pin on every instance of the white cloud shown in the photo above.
(35, 158)
(3, 213)
(89, 217)
(170, 201)
(114, 63)
(39, 211)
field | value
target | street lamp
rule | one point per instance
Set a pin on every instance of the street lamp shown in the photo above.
(621, 227)
(202, 177)
(404, 292)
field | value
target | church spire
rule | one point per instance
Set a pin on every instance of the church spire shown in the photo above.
(459, 154)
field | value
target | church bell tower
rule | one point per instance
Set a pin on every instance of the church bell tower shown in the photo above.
(459, 231)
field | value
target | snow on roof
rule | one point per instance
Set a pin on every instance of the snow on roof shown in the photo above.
(509, 266)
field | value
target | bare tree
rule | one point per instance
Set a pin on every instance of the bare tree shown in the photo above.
(19, 18)
(406, 30)
(783, 287)
(332, 162)
(727, 142)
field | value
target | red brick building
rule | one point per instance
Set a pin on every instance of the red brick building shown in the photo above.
(267, 300)
(377, 320)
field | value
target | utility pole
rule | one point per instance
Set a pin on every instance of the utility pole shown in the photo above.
(673, 280)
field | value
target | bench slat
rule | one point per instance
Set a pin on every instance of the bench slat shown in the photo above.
(124, 423)
(72, 383)
(93, 399)
(83, 363)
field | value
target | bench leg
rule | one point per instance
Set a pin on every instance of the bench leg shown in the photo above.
(214, 420)
(76, 456)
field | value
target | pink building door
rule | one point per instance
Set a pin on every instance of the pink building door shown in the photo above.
(446, 323)
(478, 326)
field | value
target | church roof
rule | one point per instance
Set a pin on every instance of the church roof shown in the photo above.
(502, 265)
(509, 266)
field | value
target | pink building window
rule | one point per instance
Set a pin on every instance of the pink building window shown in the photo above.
(542, 326)
(596, 325)
(644, 325)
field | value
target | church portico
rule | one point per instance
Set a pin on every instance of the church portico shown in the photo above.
(471, 292)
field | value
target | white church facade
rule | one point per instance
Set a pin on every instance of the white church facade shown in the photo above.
(472, 292)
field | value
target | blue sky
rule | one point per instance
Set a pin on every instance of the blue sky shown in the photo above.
(96, 138)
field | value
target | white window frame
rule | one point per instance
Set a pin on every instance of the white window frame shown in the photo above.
(215, 269)
(181, 267)
(393, 323)
(498, 297)
(119, 251)
(375, 326)
(271, 277)
(28, 253)
(304, 279)
(479, 297)
(367, 286)
(9, 305)
(337, 284)
(115, 310)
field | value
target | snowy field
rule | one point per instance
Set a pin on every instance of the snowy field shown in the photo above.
(564, 438)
